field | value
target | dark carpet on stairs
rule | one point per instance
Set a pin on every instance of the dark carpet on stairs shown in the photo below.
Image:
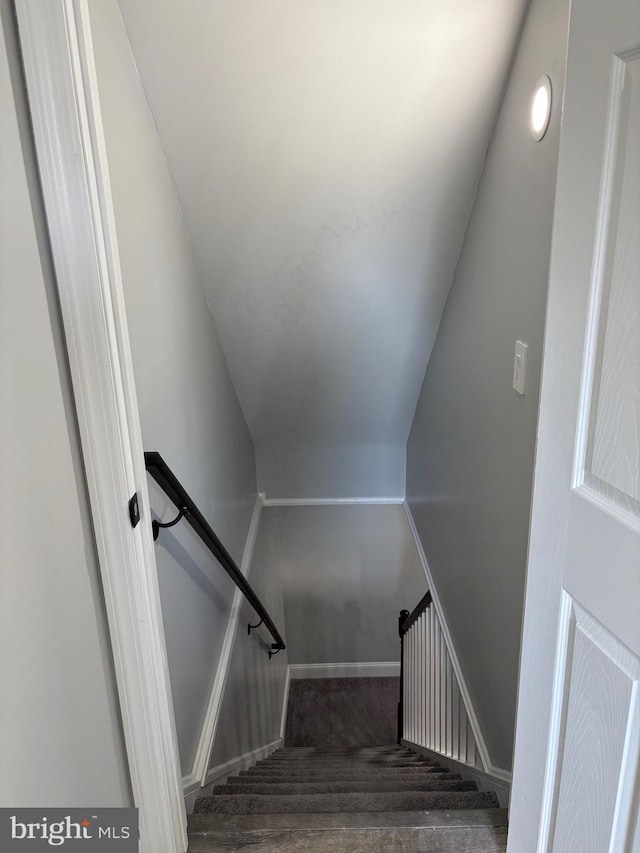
(297, 781)
(336, 789)
(336, 712)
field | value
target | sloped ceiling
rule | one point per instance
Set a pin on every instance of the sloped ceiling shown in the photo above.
(326, 155)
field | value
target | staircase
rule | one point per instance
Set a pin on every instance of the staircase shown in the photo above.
(381, 798)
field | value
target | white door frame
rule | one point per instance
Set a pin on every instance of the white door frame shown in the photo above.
(57, 49)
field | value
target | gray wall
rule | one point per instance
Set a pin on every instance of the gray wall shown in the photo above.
(332, 472)
(60, 737)
(252, 707)
(347, 571)
(326, 156)
(188, 407)
(471, 449)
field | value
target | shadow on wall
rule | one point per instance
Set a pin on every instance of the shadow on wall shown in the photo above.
(347, 571)
(193, 568)
(252, 708)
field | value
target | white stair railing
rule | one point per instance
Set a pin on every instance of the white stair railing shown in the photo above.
(432, 712)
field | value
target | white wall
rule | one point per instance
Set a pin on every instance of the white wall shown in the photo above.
(188, 407)
(332, 472)
(347, 571)
(60, 736)
(471, 448)
(252, 707)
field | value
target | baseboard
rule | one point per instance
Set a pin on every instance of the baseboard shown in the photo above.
(242, 762)
(221, 772)
(285, 704)
(455, 663)
(329, 501)
(493, 779)
(210, 725)
(345, 670)
(190, 784)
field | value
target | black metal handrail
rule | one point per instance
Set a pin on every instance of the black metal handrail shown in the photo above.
(405, 622)
(169, 483)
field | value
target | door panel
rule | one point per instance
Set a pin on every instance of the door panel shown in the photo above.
(599, 549)
(579, 693)
(592, 800)
(608, 463)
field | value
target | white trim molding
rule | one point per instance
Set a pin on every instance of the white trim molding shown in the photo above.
(378, 669)
(566, 629)
(190, 784)
(330, 501)
(222, 771)
(285, 704)
(199, 772)
(242, 762)
(455, 663)
(61, 81)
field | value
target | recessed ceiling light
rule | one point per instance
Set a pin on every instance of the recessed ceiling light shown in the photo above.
(540, 108)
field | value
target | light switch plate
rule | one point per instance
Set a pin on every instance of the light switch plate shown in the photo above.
(520, 367)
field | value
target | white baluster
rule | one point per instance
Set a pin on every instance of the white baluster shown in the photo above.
(405, 689)
(449, 706)
(432, 681)
(405, 686)
(471, 746)
(407, 681)
(443, 695)
(416, 628)
(423, 680)
(411, 682)
(436, 717)
(417, 683)
(423, 676)
(455, 721)
(427, 675)
(463, 733)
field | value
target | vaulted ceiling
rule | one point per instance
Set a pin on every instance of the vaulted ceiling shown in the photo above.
(326, 155)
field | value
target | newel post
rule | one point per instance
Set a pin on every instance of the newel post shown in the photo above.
(402, 618)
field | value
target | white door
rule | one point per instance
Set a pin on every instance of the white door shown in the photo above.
(576, 779)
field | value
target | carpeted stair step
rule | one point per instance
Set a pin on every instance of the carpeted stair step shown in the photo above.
(349, 820)
(356, 802)
(346, 771)
(275, 770)
(483, 839)
(355, 778)
(372, 763)
(480, 831)
(347, 800)
(344, 787)
(343, 753)
(353, 754)
(381, 747)
(359, 759)
(360, 772)
(340, 750)
(377, 761)
(346, 751)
